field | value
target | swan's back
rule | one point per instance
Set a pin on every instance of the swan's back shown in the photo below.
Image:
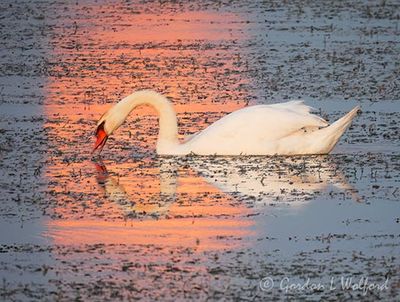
(252, 129)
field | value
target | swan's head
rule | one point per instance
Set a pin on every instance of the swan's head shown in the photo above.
(108, 123)
(101, 137)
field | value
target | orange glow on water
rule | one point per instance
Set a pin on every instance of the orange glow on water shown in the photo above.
(191, 225)
(202, 234)
(171, 27)
(107, 61)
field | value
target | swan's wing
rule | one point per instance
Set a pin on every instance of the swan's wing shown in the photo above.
(260, 123)
(295, 105)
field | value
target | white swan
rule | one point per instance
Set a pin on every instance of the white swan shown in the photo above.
(283, 129)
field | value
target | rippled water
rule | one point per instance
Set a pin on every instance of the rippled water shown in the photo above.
(130, 224)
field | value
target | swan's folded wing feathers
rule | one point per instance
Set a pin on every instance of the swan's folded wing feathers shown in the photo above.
(295, 105)
(261, 123)
(301, 108)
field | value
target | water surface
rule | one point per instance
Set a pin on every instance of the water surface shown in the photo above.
(130, 224)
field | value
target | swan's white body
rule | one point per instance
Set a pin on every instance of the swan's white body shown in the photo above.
(282, 129)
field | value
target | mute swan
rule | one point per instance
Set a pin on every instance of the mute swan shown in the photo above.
(278, 129)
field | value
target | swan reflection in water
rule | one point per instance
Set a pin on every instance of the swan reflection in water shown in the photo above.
(117, 193)
(285, 182)
(200, 203)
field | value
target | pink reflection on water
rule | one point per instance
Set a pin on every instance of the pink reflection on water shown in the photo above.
(180, 55)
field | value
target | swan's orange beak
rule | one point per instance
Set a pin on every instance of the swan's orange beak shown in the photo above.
(101, 138)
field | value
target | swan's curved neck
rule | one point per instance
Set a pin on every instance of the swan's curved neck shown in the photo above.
(168, 133)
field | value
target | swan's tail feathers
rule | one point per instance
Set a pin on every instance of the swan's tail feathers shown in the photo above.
(345, 121)
(336, 129)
